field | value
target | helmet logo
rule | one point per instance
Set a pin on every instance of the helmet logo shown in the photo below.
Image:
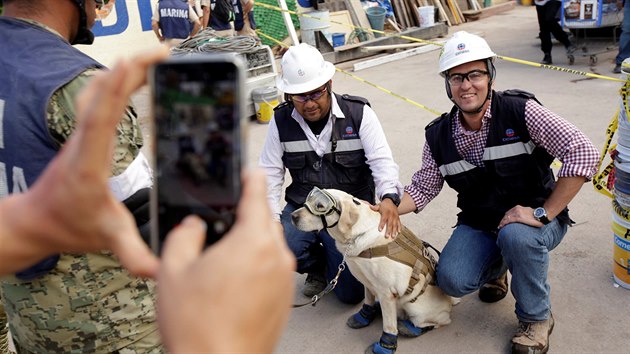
(301, 72)
(461, 46)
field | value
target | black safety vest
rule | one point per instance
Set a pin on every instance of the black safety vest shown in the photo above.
(514, 172)
(343, 166)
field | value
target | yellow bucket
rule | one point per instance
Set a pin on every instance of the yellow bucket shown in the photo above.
(621, 250)
(265, 100)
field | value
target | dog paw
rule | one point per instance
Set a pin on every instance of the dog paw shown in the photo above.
(406, 328)
(364, 317)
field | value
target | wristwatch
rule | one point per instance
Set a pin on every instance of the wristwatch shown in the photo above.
(393, 197)
(540, 214)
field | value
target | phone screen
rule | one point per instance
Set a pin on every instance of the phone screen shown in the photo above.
(198, 148)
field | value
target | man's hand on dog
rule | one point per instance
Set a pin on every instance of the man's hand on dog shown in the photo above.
(389, 218)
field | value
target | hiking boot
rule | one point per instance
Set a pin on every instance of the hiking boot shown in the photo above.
(546, 59)
(494, 290)
(314, 284)
(532, 337)
(617, 69)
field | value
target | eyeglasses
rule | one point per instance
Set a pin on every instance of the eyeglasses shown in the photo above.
(103, 8)
(472, 76)
(313, 96)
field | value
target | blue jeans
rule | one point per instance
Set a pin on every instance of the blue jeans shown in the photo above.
(316, 253)
(624, 39)
(473, 257)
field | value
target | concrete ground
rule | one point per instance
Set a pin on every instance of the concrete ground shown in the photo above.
(592, 314)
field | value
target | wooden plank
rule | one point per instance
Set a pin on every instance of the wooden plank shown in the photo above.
(393, 24)
(396, 56)
(441, 12)
(340, 22)
(447, 11)
(413, 9)
(355, 9)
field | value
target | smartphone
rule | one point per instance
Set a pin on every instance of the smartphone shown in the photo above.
(198, 142)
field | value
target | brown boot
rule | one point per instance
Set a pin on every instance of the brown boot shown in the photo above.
(532, 337)
(494, 290)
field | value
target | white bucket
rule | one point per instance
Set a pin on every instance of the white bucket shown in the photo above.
(427, 16)
(316, 21)
(265, 100)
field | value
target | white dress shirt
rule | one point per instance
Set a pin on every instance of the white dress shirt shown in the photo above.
(379, 156)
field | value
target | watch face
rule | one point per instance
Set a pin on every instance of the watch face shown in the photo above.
(539, 213)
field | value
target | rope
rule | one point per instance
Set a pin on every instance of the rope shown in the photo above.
(207, 40)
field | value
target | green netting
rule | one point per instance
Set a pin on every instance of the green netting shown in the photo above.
(270, 21)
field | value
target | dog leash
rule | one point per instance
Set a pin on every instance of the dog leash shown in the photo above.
(331, 285)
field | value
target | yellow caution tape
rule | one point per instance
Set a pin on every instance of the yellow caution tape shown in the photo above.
(599, 181)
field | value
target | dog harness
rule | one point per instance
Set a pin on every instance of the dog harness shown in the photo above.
(410, 251)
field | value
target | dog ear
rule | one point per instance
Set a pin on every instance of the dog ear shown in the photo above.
(349, 216)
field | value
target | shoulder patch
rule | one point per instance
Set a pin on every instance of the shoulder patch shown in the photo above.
(355, 99)
(436, 120)
(281, 105)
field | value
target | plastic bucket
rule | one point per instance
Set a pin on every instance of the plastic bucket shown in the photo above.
(621, 250)
(316, 21)
(338, 39)
(265, 100)
(376, 16)
(427, 16)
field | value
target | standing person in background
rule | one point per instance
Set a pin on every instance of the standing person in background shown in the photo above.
(624, 39)
(174, 21)
(547, 11)
(222, 15)
(325, 140)
(205, 9)
(495, 149)
(62, 295)
(245, 25)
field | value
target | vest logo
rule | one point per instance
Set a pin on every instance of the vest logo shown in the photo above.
(510, 135)
(349, 133)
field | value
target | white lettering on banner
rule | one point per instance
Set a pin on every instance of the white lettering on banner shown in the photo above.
(179, 13)
(1, 124)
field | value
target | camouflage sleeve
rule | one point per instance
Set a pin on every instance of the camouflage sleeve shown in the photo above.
(61, 123)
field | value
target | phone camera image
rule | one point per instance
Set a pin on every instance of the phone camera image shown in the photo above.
(197, 145)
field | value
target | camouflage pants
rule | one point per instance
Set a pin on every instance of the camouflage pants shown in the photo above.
(86, 304)
(4, 332)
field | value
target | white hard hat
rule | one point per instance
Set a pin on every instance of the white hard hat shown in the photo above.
(461, 48)
(303, 69)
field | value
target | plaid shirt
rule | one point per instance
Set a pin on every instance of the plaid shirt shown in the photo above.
(560, 138)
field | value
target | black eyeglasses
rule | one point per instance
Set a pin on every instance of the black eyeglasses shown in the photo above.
(472, 76)
(313, 96)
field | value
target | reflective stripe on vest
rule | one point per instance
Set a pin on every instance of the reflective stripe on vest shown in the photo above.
(304, 146)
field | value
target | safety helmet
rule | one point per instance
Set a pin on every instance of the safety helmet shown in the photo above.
(464, 47)
(625, 66)
(303, 69)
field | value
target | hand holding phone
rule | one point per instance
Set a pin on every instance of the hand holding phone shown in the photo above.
(198, 142)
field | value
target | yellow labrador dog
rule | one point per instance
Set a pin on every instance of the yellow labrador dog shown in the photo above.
(399, 272)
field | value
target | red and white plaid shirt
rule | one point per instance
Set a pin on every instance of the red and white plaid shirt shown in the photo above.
(560, 138)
